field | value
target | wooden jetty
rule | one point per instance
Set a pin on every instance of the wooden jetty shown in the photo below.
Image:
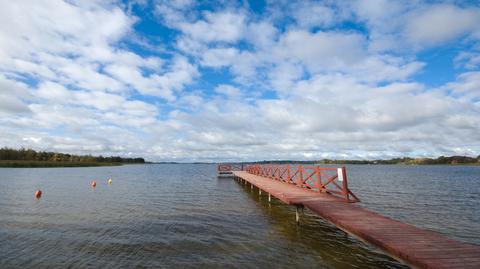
(325, 191)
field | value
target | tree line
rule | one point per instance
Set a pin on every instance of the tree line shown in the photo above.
(9, 154)
(405, 160)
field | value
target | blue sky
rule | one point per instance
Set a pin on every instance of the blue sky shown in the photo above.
(248, 80)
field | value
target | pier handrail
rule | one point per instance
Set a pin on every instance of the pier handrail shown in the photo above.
(322, 179)
(229, 167)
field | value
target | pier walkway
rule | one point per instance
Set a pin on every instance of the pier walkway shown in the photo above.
(325, 192)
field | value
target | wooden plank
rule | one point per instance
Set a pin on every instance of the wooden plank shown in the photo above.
(407, 243)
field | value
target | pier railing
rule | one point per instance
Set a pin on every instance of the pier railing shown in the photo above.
(229, 167)
(226, 169)
(323, 179)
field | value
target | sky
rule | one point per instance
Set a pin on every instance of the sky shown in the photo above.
(241, 81)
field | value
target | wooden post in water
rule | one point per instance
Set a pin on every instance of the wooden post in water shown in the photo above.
(297, 215)
(298, 208)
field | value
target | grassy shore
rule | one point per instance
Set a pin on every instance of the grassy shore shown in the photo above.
(26, 164)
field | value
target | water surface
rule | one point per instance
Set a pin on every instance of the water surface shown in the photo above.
(174, 216)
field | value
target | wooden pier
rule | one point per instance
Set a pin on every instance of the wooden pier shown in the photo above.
(325, 191)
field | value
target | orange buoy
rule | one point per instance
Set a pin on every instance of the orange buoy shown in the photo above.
(38, 194)
(94, 183)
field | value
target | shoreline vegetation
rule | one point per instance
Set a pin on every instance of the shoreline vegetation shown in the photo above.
(31, 158)
(442, 160)
(450, 160)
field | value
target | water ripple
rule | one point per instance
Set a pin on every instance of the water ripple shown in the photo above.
(166, 216)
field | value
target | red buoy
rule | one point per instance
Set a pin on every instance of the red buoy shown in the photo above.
(94, 184)
(38, 194)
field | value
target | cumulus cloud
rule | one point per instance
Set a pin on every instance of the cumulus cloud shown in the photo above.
(222, 26)
(228, 90)
(441, 23)
(64, 42)
(466, 87)
(328, 114)
(468, 59)
(313, 14)
(403, 26)
(330, 50)
(297, 81)
(12, 95)
(64, 70)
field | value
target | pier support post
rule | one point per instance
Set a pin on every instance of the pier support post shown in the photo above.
(297, 213)
(269, 197)
(259, 191)
(251, 186)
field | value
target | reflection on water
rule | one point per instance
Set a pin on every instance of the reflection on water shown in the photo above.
(183, 216)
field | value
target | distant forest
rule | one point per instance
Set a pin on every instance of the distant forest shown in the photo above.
(412, 161)
(8, 154)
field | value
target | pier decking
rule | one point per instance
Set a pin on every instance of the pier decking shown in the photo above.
(309, 187)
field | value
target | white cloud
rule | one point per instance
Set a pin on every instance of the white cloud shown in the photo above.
(323, 49)
(54, 41)
(440, 23)
(242, 64)
(284, 75)
(380, 14)
(468, 59)
(406, 25)
(64, 50)
(329, 114)
(220, 26)
(228, 90)
(11, 95)
(59, 27)
(218, 57)
(466, 87)
(262, 34)
(313, 14)
(289, 84)
(386, 68)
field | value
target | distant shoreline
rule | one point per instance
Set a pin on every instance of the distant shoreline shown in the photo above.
(29, 158)
(47, 164)
(321, 163)
(51, 164)
(442, 160)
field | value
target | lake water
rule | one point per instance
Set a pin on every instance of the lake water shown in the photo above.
(182, 216)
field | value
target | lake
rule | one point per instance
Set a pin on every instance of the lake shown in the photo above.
(183, 216)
